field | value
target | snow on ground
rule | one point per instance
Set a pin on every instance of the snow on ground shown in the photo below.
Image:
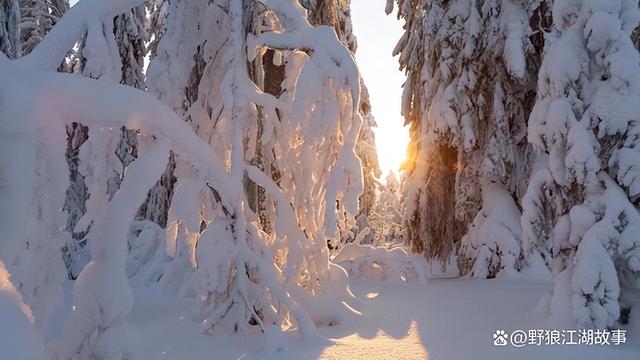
(445, 319)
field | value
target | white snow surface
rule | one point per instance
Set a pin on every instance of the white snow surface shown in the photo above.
(446, 319)
(20, 340)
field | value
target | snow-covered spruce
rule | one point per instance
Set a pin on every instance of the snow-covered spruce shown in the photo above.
(585, 125)
(471, 69)
(383, 223)
(37, 17)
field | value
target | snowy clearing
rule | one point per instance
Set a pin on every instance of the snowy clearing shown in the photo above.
(447, 319)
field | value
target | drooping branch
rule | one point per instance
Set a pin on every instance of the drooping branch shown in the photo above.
(48, 54)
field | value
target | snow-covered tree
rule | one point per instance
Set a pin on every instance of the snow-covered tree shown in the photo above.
(276, 280)
(129, 36)
(382, 225)
(245, 276)
(471, 69)
(37, 18)
(193, 89)
(9, 33)
(390, 207)
(337, 14)
(579, 208)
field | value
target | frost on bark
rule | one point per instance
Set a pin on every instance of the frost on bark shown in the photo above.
(37, 17)
(74, 204)
(129, 32)
(9, 33)
(471, 69)
(155, 25)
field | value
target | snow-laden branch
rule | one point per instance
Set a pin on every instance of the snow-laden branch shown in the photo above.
(290, 13)
(332, 56)
(48, 54)
(102, 104)
(302, 35)
(285, 211)
(252, 287)
(103, 287)
(111, 105)
(326, 79)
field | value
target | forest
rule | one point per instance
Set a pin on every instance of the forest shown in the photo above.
(199, 179)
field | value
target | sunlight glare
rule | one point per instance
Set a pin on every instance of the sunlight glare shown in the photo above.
(406, 346)
(372, 295)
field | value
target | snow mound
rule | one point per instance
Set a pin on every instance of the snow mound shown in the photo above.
(379, 263)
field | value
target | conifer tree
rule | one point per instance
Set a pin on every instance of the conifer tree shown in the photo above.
(471, 68)
(579, 212)
(37, 18)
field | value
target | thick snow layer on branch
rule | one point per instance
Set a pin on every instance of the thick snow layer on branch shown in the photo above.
(595, 283)
(100, 104)
(61, 39)
(321, 113)
(101, 296)
(494, 237)
(515, 24)
(97, 326)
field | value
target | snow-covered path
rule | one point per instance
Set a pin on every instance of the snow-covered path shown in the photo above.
(447, 319)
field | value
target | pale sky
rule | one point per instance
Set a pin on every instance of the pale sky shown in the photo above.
(377, 36)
